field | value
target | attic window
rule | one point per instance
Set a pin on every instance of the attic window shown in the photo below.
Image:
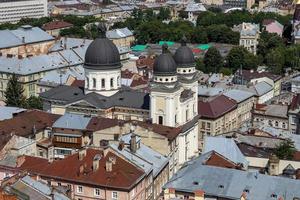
(75, 93)
(121, 98)
(246, 190)
(196, 183)
(221, 186)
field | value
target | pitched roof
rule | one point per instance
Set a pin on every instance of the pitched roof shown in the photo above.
(72, 121)
(56, 25)
(238, 95)
(124, 175)
(24, 124)
(252, 74)
(216, 107)
(232, 183)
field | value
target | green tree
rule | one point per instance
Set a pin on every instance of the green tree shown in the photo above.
(285, 150)
(213, 60)
(200, 65)
(14, 92)
(183, 14)
(239, 57)
(226, 71)
(164, 13)
(275, 60)
(34, 102)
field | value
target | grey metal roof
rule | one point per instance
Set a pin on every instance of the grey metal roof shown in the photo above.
(119, 33)
(72, 121)
(29, 34)
(60, 76)
(232, 183)
(209, 91)
(63, 93)
(144, 154)
(226, 147)
(249, 29)
(195, 7)
(7, 112)
(262, 88)
(238, 95)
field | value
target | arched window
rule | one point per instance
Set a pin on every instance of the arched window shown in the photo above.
(103, 83)
(160, 120)
(276, 123)
(112, 82)
(87, 82)
(94, 83)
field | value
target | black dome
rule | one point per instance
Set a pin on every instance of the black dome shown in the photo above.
(184, 56)
(102, 53)
(164, 64)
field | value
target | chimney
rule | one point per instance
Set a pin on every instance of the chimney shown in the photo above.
(81, 154)
(133, 143)
(121, 145)
(96, 161)
(199, 195)
(108, 166)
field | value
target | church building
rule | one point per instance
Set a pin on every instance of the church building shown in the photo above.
(172, 100)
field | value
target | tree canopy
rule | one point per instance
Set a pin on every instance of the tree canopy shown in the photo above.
(14, 92)
(285, 150)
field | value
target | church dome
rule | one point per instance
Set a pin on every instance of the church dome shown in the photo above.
(164, 64)
(184, 56)
(102, 53)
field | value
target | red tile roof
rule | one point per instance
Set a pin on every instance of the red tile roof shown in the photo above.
(216, 107)
(127, 74)
(145, 62)
(218, 160)
(24, 123)
(78, 83)
(100, 123)
(124, 175)
(267, 21)
(56, 25)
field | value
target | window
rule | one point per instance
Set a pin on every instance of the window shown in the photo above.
(175, 119)
(283, 125)
(187, 115)
(114, 195)
(79, 189)
(118, 80)
(58, 184)
(103, 83)
(276, 123)
(160, 120)
(203, 125)
(87, 82)
(97, 192)
(111, 82)
(94, 83)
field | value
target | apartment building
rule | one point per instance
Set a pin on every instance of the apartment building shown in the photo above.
(12, 11)
(249, 35)
(216, 116)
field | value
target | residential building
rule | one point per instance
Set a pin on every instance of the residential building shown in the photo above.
(273, 26)
(27, 188)
(246, 77)
(296, 24)
(245, 101)
(155, 165)
(91, 174)
(25, 41)
(12, 11)
(247, 4)
(273, 115)
(121, 37)
(53, 28)
(293, 114)
(249, 35)
(216, 116)
(295, 84)
(193, 10)
(199, 181)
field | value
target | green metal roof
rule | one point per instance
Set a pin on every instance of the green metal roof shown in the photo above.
(204, 46)
(139, 47)
(169, 43)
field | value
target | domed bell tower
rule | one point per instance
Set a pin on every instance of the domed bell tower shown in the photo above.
(165, 90)
(102, 65)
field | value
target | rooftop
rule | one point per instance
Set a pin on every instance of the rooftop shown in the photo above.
(123, 174)
(232, 183)
(23, 35)
(8, 112)
(56, 25)
(72, 121)
(272, 110)
(252, 74)
(216, 107)
(238, 95)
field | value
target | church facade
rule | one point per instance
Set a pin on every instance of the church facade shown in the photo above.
(172, 100)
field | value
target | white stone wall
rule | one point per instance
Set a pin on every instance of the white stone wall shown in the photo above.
(107, 75)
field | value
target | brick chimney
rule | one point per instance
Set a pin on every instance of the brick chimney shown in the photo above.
(199, 194)
(133, 143)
